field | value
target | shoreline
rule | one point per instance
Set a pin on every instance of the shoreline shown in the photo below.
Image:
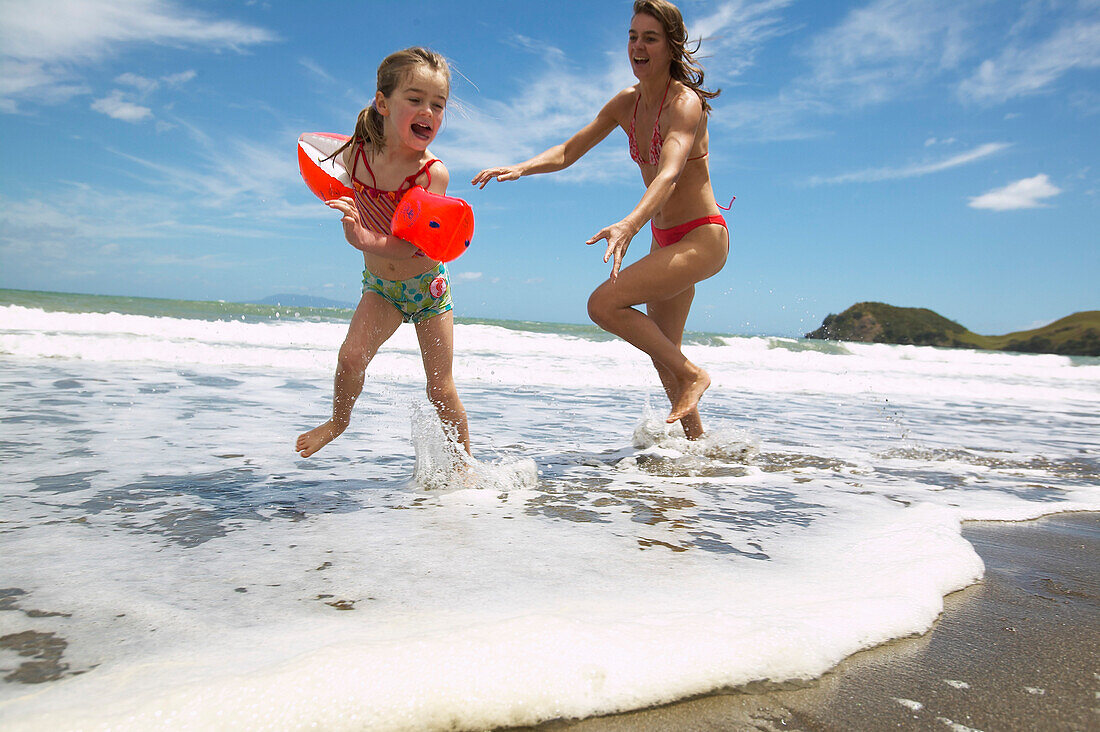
(1016, 650)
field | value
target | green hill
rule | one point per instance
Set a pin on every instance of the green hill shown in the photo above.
(876, 322)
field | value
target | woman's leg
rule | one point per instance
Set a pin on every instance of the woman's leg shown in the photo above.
(662, 275)
(374, 321)
(436, 336)
(670, 316)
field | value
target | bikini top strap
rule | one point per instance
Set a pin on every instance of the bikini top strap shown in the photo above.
(657, 119)
(360, 155)
(426, 170)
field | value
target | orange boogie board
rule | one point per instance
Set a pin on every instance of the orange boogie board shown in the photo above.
(440, 226)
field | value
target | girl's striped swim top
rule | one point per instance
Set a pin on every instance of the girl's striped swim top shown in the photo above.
(375, 205)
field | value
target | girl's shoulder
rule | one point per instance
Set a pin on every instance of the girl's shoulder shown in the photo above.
(430, 173)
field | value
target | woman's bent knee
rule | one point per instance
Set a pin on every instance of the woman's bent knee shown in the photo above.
(599, 308)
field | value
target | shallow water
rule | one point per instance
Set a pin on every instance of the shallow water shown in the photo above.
(169, 560)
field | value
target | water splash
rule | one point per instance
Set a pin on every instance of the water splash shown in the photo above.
(664, 450)
(442, 463)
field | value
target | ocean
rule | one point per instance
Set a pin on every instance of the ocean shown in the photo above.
(169, 561)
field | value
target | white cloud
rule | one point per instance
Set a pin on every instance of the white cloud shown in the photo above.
(466, 276)
(116, 106)
(548, 109)
(735, 33)
(214, 177)
(45, 44)
(315, 68)
(876, 53)
(181, 78)
(1027, 69)
(916, 170)
(886, 47)
(1026, 193)
(137, 81)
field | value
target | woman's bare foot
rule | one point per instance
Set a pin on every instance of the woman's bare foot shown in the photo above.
(312, 441)
(689, 393)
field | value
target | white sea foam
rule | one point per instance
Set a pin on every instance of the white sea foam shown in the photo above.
(174, 563)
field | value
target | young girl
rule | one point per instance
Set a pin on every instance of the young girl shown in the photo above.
(387, 155)
(665, 118)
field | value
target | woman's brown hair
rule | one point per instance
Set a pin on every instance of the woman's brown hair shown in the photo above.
(683, 67)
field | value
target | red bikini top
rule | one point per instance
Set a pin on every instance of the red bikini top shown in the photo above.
(657, 142)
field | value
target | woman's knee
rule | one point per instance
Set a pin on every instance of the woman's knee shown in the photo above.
(600, 307)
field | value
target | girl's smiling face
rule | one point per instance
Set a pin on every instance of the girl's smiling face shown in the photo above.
(414, 111)
(648, 47)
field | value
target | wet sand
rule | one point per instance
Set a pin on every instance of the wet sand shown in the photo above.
(1019, 650)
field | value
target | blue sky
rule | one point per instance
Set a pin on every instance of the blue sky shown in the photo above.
(925, 153)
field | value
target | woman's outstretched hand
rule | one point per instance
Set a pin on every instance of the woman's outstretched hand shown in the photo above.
(501, 173)
(618, 239)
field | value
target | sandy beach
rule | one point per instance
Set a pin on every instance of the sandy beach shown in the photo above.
(1019, 650)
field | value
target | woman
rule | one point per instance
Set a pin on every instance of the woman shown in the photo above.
(665, 118)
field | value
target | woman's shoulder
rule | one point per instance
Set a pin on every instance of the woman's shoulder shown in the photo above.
(685, 102)
(621, 105)
(624, 99)
(685, 98)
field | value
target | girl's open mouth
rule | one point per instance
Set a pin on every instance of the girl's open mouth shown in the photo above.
(424, 132)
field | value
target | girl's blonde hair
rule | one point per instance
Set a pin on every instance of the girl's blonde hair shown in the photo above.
(369, 131)
(683, 68)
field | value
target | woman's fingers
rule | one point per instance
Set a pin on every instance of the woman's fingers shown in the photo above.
(500, 174)
(603, 234)
(618, 252)
(485, 176)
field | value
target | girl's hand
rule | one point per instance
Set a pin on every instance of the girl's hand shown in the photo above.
(507, 172)
(347, 207)
(618, 239)
(353, 226)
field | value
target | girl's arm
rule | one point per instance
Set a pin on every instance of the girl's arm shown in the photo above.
(685, 114)
(560, 156)
(383, 245)
(365, 240)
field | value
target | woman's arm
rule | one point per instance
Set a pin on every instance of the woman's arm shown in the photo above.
(685, 114)
(560, 156)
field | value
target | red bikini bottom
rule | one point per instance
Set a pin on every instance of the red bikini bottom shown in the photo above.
(668, 237)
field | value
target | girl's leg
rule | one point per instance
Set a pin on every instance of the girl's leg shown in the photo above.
(670, 316)
(374, 321)
(436, 336)
(662, 275)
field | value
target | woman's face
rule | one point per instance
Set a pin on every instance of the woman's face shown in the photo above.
(415, 108)
(648, 47)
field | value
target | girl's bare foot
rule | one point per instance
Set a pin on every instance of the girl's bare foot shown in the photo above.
(688, 398)
(312, 441)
